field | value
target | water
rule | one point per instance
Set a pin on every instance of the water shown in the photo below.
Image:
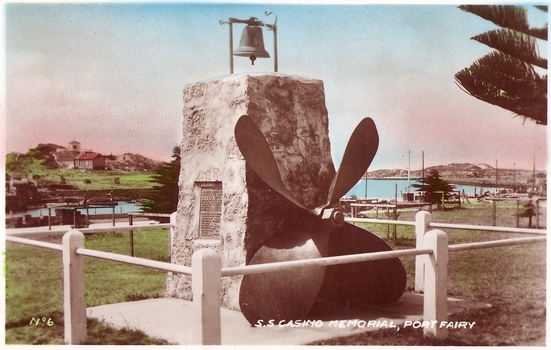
(385, 188)
(121, 208)
(376, 188)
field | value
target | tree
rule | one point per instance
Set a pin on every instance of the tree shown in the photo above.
(507, 77)
(165, 197)
(434, 186)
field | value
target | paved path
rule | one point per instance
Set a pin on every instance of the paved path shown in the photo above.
(175, 320)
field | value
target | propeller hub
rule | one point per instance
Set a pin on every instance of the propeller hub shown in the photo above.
(334, 215)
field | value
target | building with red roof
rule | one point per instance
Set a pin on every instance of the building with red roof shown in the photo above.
(74, 157)
(89, 160)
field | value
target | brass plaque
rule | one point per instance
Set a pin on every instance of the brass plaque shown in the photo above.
(210, 212)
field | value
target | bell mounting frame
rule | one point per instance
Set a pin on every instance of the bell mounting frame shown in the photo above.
(253, 21)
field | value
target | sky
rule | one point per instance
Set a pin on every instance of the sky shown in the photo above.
(111, 75)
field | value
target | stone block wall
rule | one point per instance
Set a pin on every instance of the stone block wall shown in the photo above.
(214, 177)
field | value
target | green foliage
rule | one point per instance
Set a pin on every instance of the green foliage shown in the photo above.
(506, 77)
(44, 153)
(22, 165)
(434, 185)
(165, 197)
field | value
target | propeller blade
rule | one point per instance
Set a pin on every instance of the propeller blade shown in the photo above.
(359, 153)
(379, 282)
(258, 155)
(287, 294)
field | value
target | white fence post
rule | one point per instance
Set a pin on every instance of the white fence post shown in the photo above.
(422, 222)
(74, 304)
(435, 302)
(206, 281)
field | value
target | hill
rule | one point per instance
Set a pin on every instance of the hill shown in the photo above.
(35, 160)
(41, 159)
(35, 178)
(466, 170)
(468, 174)
(453, 169)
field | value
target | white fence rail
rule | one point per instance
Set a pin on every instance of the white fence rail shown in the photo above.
(59, 231)
(333, 260)
(431, 254)
(531, 231)
(130, 260)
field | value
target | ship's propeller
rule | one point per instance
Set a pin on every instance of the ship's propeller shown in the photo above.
(290, 294)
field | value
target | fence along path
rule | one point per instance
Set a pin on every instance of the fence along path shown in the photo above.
(431, 254)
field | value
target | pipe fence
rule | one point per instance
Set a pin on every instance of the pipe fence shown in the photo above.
(431, 255)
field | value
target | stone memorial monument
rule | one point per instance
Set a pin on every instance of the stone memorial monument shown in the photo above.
(259, 207)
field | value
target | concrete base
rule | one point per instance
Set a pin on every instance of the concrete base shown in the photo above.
(173, 319)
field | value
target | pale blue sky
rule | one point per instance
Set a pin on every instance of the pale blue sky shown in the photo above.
(111, 76)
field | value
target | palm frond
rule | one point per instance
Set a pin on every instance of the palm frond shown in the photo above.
(519, 45)
(540, 33)
(507, 82)
(506, 16)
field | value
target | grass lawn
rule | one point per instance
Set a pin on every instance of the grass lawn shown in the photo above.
(34, 287)
(99, 179)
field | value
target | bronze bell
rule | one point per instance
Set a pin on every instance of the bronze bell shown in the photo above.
(251, 44)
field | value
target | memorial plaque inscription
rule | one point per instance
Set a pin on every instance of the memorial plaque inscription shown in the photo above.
(210, 210)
